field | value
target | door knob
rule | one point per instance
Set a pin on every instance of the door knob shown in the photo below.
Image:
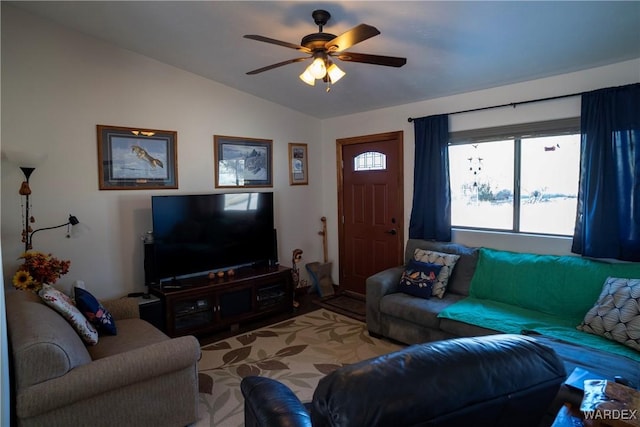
(393, 232)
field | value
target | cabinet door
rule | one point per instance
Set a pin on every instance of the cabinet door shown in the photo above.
(274, 295)
(192, 313)
(235, 303)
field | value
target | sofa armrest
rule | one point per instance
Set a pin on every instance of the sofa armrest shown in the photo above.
(268, 402)
(94, 380)
(379, 285)
(123, 308)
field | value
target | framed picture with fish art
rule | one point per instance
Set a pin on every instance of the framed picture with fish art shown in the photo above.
(242, 162)
(137, 159)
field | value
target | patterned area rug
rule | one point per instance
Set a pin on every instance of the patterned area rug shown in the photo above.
(297, 352)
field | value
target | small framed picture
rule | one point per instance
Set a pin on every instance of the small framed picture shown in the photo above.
(242, 162)
(298, 165)
(136, 159)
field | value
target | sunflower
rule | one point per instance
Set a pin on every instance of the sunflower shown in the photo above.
(23, 280)
(39, 268)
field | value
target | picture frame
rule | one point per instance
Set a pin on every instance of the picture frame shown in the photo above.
(136, 158)
(242, 162)
(298, 164)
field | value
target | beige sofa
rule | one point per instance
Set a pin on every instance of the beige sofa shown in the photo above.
(139, 377)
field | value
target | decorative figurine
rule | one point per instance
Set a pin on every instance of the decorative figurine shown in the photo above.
(296, 259)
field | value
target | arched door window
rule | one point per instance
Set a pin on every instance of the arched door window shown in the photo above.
(370, 161)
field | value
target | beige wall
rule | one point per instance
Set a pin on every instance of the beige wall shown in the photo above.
(57, 85)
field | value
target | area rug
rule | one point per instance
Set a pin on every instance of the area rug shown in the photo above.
(350, 305)
(297, 352)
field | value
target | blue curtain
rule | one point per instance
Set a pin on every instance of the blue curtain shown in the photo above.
(431, 211)
(608, 216)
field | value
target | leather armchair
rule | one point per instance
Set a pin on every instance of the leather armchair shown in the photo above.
(493, 381)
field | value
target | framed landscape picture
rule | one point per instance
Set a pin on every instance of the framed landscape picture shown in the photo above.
(298, 165)
(136, 159)
(242, 162)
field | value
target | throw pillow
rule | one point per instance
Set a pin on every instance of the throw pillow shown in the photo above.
(61, 303)
(418, 278)
(95, 313)
(447, 261)
(616, 314)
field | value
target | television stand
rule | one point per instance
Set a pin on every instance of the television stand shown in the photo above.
(203, 305)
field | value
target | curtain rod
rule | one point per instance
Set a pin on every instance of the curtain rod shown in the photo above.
(512, 104)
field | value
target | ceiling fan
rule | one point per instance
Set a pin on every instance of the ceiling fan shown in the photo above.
(322, 47)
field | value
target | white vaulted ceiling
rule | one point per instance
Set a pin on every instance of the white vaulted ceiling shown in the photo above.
(451, 47)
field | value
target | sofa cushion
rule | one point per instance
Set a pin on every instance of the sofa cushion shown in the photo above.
(416, 310)
(44, 345)
(61, 303)
(564, 286)
(95, 312)
(418, 278)
(465, 267)
(513, 319)
(602, 362)
(447, 261)
(132, 334)
(616, 314)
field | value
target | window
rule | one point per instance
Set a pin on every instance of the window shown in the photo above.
(521, 178)
(371, 160)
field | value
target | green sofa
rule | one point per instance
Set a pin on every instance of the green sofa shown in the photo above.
(492, 291)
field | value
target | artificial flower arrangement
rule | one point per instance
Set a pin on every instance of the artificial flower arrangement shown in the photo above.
(39, 268)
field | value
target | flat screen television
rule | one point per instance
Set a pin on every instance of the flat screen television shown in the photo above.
(196, 234)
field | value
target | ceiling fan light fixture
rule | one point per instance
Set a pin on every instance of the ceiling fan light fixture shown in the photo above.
(335, 73)
(321, 46)
(307, 77)
(318, 68)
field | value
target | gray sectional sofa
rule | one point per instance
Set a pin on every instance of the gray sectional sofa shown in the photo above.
(484, 296)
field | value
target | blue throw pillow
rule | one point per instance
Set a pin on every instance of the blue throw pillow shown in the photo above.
(94, 311)
(418, 278)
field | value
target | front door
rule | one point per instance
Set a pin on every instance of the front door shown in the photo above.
(370, 204)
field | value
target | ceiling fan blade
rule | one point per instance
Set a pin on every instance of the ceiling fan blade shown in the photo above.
(279, 64)
(277, 42)
(353, 36)
(389, 61)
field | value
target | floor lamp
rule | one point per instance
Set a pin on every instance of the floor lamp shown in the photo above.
(27, 230)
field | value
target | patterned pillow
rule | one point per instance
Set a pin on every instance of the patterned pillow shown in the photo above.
(61, 303)
(447, 261)
(94, 311)
(418, 278)
(616, 314)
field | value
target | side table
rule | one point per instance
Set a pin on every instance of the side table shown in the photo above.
(568, 416)
(151, 311)
(605, 404)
